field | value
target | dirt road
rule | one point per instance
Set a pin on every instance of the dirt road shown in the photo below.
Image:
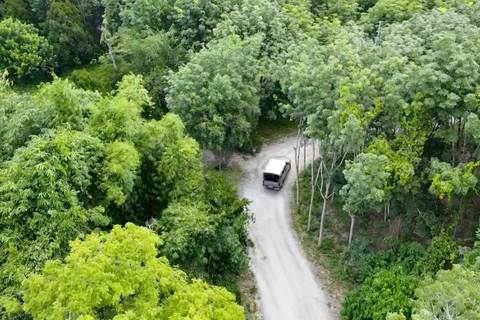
(288, 288)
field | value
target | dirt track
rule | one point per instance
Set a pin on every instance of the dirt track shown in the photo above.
(288, 288)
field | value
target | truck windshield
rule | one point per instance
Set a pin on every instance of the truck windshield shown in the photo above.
(270, 177)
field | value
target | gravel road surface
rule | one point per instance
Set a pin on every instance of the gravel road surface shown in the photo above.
(288, 288)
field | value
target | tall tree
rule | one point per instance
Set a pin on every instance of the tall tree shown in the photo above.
(119, 275)
(452, 294)
(365, 188)
(65, 29)
(23, 52)
(217, 93)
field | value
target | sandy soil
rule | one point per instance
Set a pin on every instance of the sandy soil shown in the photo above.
(288, 288)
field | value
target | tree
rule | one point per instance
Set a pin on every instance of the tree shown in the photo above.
(171, 169)
(456, 184)
(192, 22)
(346, 10)
(53, 106)
(386, 291)
(66, 31)
(152, 55)
(217, 93)
(386, 12)
(47, 198)
(366, 181)
(23, 53)
(335, 117)
(17, 9)
(119, 117)
(253, 17)
(452, 294)
(123, 278)
(209, 244)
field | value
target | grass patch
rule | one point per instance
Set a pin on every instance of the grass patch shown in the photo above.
(233, 173)
(272, 130)
(249, 295)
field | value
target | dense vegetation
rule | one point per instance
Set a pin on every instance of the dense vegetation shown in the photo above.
(388, 91)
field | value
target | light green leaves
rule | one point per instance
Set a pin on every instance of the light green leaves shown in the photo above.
(366, 181)
(449, 182)
(453, 294)
(199, 301)
(107, 275)
(118, 275)
(119, 117)
(120, 171)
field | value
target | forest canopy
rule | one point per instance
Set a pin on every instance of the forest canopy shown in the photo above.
(106, 107)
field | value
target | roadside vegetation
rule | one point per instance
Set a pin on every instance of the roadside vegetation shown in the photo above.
(105, 106)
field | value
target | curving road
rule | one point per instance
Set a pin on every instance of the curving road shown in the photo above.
(288, 288)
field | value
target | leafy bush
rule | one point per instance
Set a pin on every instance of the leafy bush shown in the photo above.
(23, 52)
(101, 77)
(364, 264)
(386, 291)
(440, 255)
(374, 263)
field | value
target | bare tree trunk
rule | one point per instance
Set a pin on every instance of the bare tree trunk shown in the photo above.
(351, 228)
(324, 209)
(297, 156)
(304, 156)
(106, 39)
(314, 183)
(453, 154)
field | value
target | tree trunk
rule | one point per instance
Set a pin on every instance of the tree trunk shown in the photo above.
(314, 184)
(304, 156)
(296, 178)
(297, 156)
(324, 209)
(351, 228)
(386, 212)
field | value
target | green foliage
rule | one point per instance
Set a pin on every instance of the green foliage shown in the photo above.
(366, 181)
(64, 104)
(152, 55)
(404, 155)
(40, 204)
(171, 169)
(23, 52)
(346, 10)
(359, 259)
(452, 294)
(17, 9)
(121, 164)
(395, 316)
(65, 30)
(126, 279)
(101, 77)
(388, 11)
(386, 291)
(219, 102)
(208, 239)
(119, 117)
(203, 302)
(192, 22)
(440, 255)
(54, 105)
(449, 182)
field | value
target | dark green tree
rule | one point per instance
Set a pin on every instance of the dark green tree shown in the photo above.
(217, 93)
(24, 54)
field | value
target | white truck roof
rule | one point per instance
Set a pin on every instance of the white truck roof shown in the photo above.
(275, 166)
